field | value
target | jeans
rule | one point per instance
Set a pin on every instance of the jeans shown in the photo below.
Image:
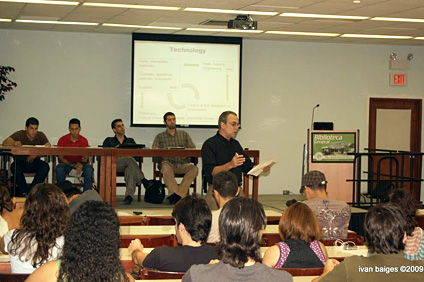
(37, 166)
(62, 171)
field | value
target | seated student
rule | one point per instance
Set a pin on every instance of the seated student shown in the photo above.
(414, 246)
(332, 215)
(91, 250)
(241, 225)
(40, 237)
(192, 225)
(300, 247)
(75, 197)
(9, 216)
(385, 238)
(225, 187)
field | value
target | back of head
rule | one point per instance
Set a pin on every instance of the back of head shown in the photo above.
(5, 199)
(240, 224)
(406, 203)
(315, 180)
(299, 222)
(92, 241)
(196, 216)
(384, 229)
(31, 121)
(44, 219)
(226, 184)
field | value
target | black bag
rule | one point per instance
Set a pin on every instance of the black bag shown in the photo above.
(155, 192)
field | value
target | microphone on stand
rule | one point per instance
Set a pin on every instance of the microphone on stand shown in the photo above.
(313, 112)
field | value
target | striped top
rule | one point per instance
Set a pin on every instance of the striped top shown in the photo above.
(414, 247)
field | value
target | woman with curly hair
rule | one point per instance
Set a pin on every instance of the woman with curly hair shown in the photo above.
(300, 248)
(91, 250)
(40, 237)
(9, 216)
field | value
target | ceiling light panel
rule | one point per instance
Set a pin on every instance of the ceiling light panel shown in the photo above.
(235, 12)
(140, 26)
(71, 3)
(375, 36)
(322, 16)
(405, 20)
(302, 33)
(55, 22)
(130, 6)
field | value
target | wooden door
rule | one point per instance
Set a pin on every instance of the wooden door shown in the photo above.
(395, 124)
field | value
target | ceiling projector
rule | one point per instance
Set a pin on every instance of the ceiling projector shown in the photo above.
(243, 22)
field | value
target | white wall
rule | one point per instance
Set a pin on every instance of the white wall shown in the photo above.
(62, 75)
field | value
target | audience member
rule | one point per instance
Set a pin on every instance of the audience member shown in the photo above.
(241, 224)
(9, 215)
(385, 238)
(333, 215)
(40, 236)
(79, 164)
(91, 250)
(223, 152)
(74, 196)
(28, 164)
(300, 248)
(128, 165)
(224, 189)
(173, 138)
(192, 225)
(414, 246)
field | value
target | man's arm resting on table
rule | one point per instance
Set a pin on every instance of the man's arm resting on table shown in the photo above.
(10, 142)
(136, 251)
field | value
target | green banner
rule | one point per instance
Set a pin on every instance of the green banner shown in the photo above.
(333, 147)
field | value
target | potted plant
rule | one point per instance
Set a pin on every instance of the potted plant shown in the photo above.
(6, 84)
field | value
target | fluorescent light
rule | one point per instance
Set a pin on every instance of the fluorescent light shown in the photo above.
(321, 16)
(141, 26)
(302, 33)
(375, 36)
(55, 22)
(237, 12)
(398, 20)
(225, 30)
(129, 6)
(43, 2)
(5, 20)
(419, 38)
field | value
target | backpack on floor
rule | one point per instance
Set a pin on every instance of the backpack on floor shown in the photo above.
(155, 192)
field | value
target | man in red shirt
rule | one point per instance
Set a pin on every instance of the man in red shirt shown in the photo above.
(76, 164)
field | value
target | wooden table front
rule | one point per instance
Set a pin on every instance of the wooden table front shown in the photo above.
(105, 155)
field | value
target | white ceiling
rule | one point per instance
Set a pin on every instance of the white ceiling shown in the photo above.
(185, 19)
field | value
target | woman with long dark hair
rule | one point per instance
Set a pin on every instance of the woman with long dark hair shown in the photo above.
(40, 236)
(91, 250)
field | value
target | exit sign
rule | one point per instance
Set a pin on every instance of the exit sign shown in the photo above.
(398, 79)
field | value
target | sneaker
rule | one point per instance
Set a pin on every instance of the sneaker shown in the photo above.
(128, 200)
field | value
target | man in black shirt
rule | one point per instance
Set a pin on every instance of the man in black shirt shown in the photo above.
(223, 152)
(128, 165)
(192, 224)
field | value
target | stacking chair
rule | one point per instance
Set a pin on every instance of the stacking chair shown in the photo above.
(157, 174)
